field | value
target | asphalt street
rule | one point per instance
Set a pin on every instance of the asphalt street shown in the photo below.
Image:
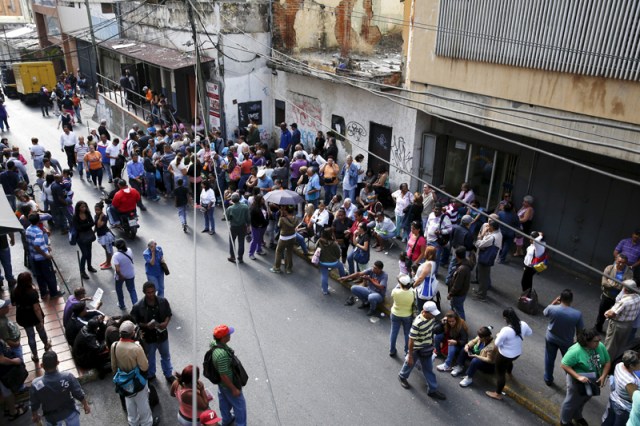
(311, 360)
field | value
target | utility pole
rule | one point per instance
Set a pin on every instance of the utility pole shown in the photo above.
(95, 47)
(202, 87)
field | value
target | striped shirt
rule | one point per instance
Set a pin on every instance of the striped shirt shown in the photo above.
(422, 332)
(35, 238)
(221, 358)
(627, 307)
(81, 150)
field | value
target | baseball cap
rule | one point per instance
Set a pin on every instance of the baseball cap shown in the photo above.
(261, 172)
(4, 303)
(431, 308)
(404, 279)
(222, 330)
(630, 283)
(49, 360)
(209, 417)
(128, 328)
(466, 219)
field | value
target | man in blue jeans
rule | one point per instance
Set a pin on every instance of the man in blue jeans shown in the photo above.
(565, 323)
(152, 314)
(230, 396)
(373, 289)
(421, 348)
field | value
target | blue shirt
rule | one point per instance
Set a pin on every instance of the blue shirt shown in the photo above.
(285, 139)
(135, 169)
(103, 152)
(149, 269)
(265, 183)
(314, 183)
(565, 321)
(35, 238)
(382, 280)
(296, 136)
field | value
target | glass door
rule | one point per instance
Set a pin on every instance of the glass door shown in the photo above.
(455, 170)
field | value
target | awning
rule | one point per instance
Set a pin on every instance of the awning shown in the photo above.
(8, 220)
(153, 54)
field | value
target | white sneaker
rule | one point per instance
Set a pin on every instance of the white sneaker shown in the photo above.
(444, 367)
(457, 370)
(466, 381)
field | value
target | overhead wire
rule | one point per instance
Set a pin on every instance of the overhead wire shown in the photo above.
(511, 141)
(240, 274)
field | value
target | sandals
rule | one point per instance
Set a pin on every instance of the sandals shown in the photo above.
(20, 410)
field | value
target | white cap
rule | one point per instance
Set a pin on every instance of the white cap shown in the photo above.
(404, 279)
(431, 308)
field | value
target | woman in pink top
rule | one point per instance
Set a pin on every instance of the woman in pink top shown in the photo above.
(182, 390)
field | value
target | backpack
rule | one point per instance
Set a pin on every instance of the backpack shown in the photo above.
(209, 370)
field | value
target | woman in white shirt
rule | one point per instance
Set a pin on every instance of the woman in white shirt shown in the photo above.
(320, 218)
(207, 206)
(509, 344)
(535, 250)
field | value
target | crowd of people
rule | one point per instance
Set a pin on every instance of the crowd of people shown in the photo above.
(338, 230)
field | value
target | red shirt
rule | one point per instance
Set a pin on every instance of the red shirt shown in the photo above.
(245, 167)
(355, 225)
(126, 199)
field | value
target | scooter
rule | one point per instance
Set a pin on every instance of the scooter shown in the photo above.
(128, 222)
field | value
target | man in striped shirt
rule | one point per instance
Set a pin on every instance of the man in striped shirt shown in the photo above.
(421, 348)
(41, 259)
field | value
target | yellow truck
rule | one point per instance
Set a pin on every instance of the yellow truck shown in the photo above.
(31, 76)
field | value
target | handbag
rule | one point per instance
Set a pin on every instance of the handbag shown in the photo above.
(300, 189)
(164, 267)
(235, 174)
(540, 263)
(487, 255)
(316, 256)
(361, 256)
(443, 239)
(86, 236)
(528, 302)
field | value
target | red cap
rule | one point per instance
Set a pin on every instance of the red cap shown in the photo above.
(209, 417)
(222, 330)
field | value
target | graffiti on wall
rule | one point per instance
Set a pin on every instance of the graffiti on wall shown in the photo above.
(356, 131)
(401, 154)
(307, 113)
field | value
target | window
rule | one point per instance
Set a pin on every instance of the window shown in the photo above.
(107, 7)
(280, 112)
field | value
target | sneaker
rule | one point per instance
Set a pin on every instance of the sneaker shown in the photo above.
(466, 381)
(105, 266)
(404, 383)
(444, 367)
(275, 271)
(184, 227)
(252, 257)
(437, 395)
(457, 370)
(288, 272)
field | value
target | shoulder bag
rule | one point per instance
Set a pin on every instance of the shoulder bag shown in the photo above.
(487, 255)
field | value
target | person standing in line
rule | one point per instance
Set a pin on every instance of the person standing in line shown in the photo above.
(115, 161)
(630, 247)
(401, 313)
(127, 355)
(625, 383)
(230, 396)
(37, 154)
(460, 282)
(534, 251)
(135, 171)
(93, 165)
(586, 361)
(421, 335)
(29, 313)
(125, 272)
(40, 256)
(207, 206)
(492, 242)
(287, 224)
(259, 222)
(621, 317)
(55, 393)
(6, 241)
(83, 224)
(238, 217)
(153, 258)
(68, 142)
(102, 146)
(565, 323)
(348, 177)
(153, 314)
(509, 344)
(610, 288)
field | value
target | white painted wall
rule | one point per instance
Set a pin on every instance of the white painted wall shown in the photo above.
(319, 100)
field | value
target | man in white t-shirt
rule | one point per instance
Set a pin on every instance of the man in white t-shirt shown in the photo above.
(112, 152)
(122, 261)
(37, 154)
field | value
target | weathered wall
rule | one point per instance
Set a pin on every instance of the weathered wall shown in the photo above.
(349, 25)
(119, 121)
(593, 96)
(319, 101)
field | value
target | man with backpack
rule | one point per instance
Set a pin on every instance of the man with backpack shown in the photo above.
(229, 382)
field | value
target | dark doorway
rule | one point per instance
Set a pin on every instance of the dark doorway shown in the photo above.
(280, 112)
(380, 145)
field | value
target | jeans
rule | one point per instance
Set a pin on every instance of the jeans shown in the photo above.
(399, 223)
(351, 262)
(314, 202)
(257, 234)
(615, 415)
(38, 164)
(329, 192)
(474, 365)
(457, 305)
(452, 350)
(131, 288)
(158, 281)
(324, 272)
(165, 358)
(138, 187)
(507, 243)
(349, 193)
(367, 296)
(236, 233)
(61, 216)
(96, 176)
(209, 221)
(302, 244)
(31, 337)
(228, 402)
(424, 358)
(80, 167)
(167, 179)
(182, 214)
(438, 248)
(72, 420)
(150, 179)
(550, 351)
(85, 251)
(395, 329)
(46, 277)
(107, 168)
(5, 260)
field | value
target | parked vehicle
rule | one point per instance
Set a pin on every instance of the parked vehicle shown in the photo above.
(30, 77)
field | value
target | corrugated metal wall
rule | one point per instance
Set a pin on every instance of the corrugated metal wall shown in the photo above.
(588, 37)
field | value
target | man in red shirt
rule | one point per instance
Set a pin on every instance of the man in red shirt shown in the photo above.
(124, 201)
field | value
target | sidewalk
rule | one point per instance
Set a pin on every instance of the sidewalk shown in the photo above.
(526, 387)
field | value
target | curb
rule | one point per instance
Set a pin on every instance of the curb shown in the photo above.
(536, 404)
